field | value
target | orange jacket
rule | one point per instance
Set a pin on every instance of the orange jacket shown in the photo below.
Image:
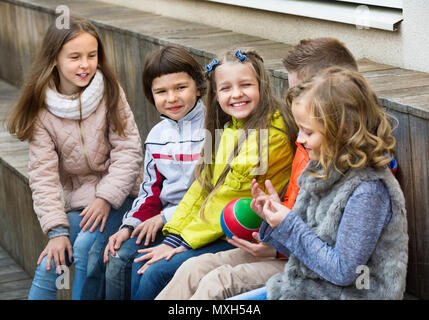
(298, 165)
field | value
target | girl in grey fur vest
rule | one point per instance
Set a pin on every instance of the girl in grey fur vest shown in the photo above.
(346, 236)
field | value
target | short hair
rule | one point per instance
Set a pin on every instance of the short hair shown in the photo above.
(168, 60)
(311, 56)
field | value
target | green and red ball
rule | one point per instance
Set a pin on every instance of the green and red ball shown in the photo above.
(239, 219)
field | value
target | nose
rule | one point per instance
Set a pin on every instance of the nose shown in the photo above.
(84, 63)
(171, 96)
(236, 92)
(300, 138)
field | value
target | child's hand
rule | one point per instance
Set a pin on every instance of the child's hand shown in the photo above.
(260, 196)
(157, 253)
(274, 213)
(148, 228)
(115, 242)
(258, 249)
(96, 212)
(56, 248)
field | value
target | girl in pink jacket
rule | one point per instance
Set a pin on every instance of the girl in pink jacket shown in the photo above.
(85, 151)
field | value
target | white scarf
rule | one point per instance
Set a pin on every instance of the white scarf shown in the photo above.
(64, 107)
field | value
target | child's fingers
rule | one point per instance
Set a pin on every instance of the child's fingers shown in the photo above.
(44, 253)
(84, 211)
(136, 231)
(143, 269)
(95, 224)
(70, 252)
(255, 236)
(267, 209)
(56, 260)
(140, 236)
(148, 237)
(48, 261)
(146, 256)
(106, 254)
(156, 258)
(62, 259)
(171, 254)
(272, 191)
(86, 217)
(154, 232)
(103, 223)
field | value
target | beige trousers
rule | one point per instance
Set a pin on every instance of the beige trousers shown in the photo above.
(220, 276)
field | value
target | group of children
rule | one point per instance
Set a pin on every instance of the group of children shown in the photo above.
(224, 135)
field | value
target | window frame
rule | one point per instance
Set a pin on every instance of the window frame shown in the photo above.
(353, 12)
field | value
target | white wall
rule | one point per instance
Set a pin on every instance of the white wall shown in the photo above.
(404, 48)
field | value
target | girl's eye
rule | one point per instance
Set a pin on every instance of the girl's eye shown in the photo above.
(308, 133)
(74, 57)
(181, 88)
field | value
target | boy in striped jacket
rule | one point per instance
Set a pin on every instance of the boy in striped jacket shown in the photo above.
(173, 81)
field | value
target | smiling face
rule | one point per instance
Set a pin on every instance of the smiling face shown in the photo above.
(309, 131)
(237, 89)
(175, 94)
(77, 63)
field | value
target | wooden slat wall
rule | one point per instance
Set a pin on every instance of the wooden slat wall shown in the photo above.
(129, 35)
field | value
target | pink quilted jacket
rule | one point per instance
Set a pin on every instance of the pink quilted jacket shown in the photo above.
(87, 158)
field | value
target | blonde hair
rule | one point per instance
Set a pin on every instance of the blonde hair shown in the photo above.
(44, 73)
(216, 118)
(356, 130)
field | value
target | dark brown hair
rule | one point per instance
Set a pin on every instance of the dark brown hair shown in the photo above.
(44, 73)
(313, 55)
(168, 60)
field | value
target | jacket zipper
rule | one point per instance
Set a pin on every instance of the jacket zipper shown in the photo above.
(83, 145)
(84, 149)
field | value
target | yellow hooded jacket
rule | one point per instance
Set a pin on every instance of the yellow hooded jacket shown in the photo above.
(187, 222)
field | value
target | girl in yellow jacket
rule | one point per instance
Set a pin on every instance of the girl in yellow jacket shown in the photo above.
(249, 135)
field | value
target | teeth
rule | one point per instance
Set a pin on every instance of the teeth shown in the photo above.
(238, 104)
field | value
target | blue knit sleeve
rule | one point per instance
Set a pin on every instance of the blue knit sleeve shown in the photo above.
(367, 211)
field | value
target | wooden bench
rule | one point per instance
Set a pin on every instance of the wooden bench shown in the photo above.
(129, 35)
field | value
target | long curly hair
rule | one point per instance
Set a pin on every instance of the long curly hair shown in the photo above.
(357, 132)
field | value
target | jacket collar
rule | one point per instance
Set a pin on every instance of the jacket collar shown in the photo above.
(195, 113)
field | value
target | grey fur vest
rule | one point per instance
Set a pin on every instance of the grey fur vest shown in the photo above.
(320, 204)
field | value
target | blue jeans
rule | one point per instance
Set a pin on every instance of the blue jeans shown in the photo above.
(148, 285)
(44, 286)
(257, 294)
(112, 281)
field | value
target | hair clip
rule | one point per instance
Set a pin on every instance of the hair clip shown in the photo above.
(241, 56)
(211, 65)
